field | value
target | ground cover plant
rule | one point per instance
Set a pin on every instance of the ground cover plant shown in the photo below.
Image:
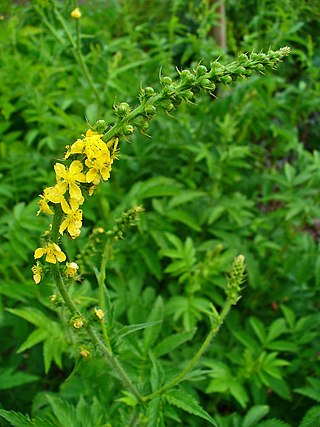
(231, 168)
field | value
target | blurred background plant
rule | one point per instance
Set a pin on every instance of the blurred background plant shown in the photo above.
(237, 174)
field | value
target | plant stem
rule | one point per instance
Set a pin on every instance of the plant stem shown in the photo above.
(78, 54)
(180, 377)
(103, 295)
(68, 300)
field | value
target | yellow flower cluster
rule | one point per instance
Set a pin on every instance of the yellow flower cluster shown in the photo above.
(91, 162)
(94, 166)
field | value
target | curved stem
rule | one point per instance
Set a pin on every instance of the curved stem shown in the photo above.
(180, 377)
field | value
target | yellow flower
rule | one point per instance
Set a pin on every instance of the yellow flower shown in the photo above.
(77, 323)
(84, 353)
(76, 14)
(69, 177)
(90, 144)
(99, 167)
(73, 220)
(51, 194)
(72, 269)
(99, 313)
(53, 253)
(37, 274)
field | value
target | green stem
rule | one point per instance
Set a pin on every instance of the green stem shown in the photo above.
(180, 377)
(106, 350)
(103, 295)
(78, 54)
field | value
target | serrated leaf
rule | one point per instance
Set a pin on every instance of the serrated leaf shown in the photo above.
(16, 419)
(155, 413)
(254, 415)
(171, 342)
(63, 411)
(186, 402)
(311, 418)
(10, 378)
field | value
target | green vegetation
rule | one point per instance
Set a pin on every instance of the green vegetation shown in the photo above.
(220, 148)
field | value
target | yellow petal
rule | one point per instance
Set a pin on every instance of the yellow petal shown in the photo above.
(60, 170)
(39, 253)
(75, 191)
(60, 256)
(91, 175)
(51, 258)
(75, 167)
(63, 226)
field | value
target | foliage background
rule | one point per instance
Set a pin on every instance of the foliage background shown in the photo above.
(236, 174)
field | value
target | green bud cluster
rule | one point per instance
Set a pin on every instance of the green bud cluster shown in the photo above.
(235, 280)
(186, 87)
(127, 220)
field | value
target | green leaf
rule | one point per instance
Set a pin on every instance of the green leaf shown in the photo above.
(258, 328)
(31, 315)
(151, 334)
(237, 390)
(254, 415)
(126, 330)
(312, 390)
(277, 328)
(16, 419)
(186, 402)
(155, 413)
(172, 341)
(273, 422)
(10, 378)
(33, 339)
(63, 411)
(311, 418)
(289, 315)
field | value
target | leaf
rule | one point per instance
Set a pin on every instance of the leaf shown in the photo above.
(155, 413)
(311, 418)
(277, 328)
(16, 419)
(171, 342)
(126, 330)
(31, 315)
(10, 378)
(151, 334)
(254, 415)
(63, 411)
(273, 422)
(186, 402)
(33, 339)
(312, 390)
(258, 328)
(238, 392)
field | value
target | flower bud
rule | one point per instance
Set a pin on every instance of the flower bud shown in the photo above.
(200, 70)
(149, 91)
(150, 110)
(100, 126)
(128, 130)
(76, 14)
(77, 323)
(71, 269)
(166, 80)
(122, 109)
(226, 79)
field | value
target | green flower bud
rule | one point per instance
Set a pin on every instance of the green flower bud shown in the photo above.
(201, 70)
(166, 80)
(150, 110)
(122, 109)
(100, 126)
(128, 130)
(241, 71)
(226, 79)
(186, 76)
(149, 91)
